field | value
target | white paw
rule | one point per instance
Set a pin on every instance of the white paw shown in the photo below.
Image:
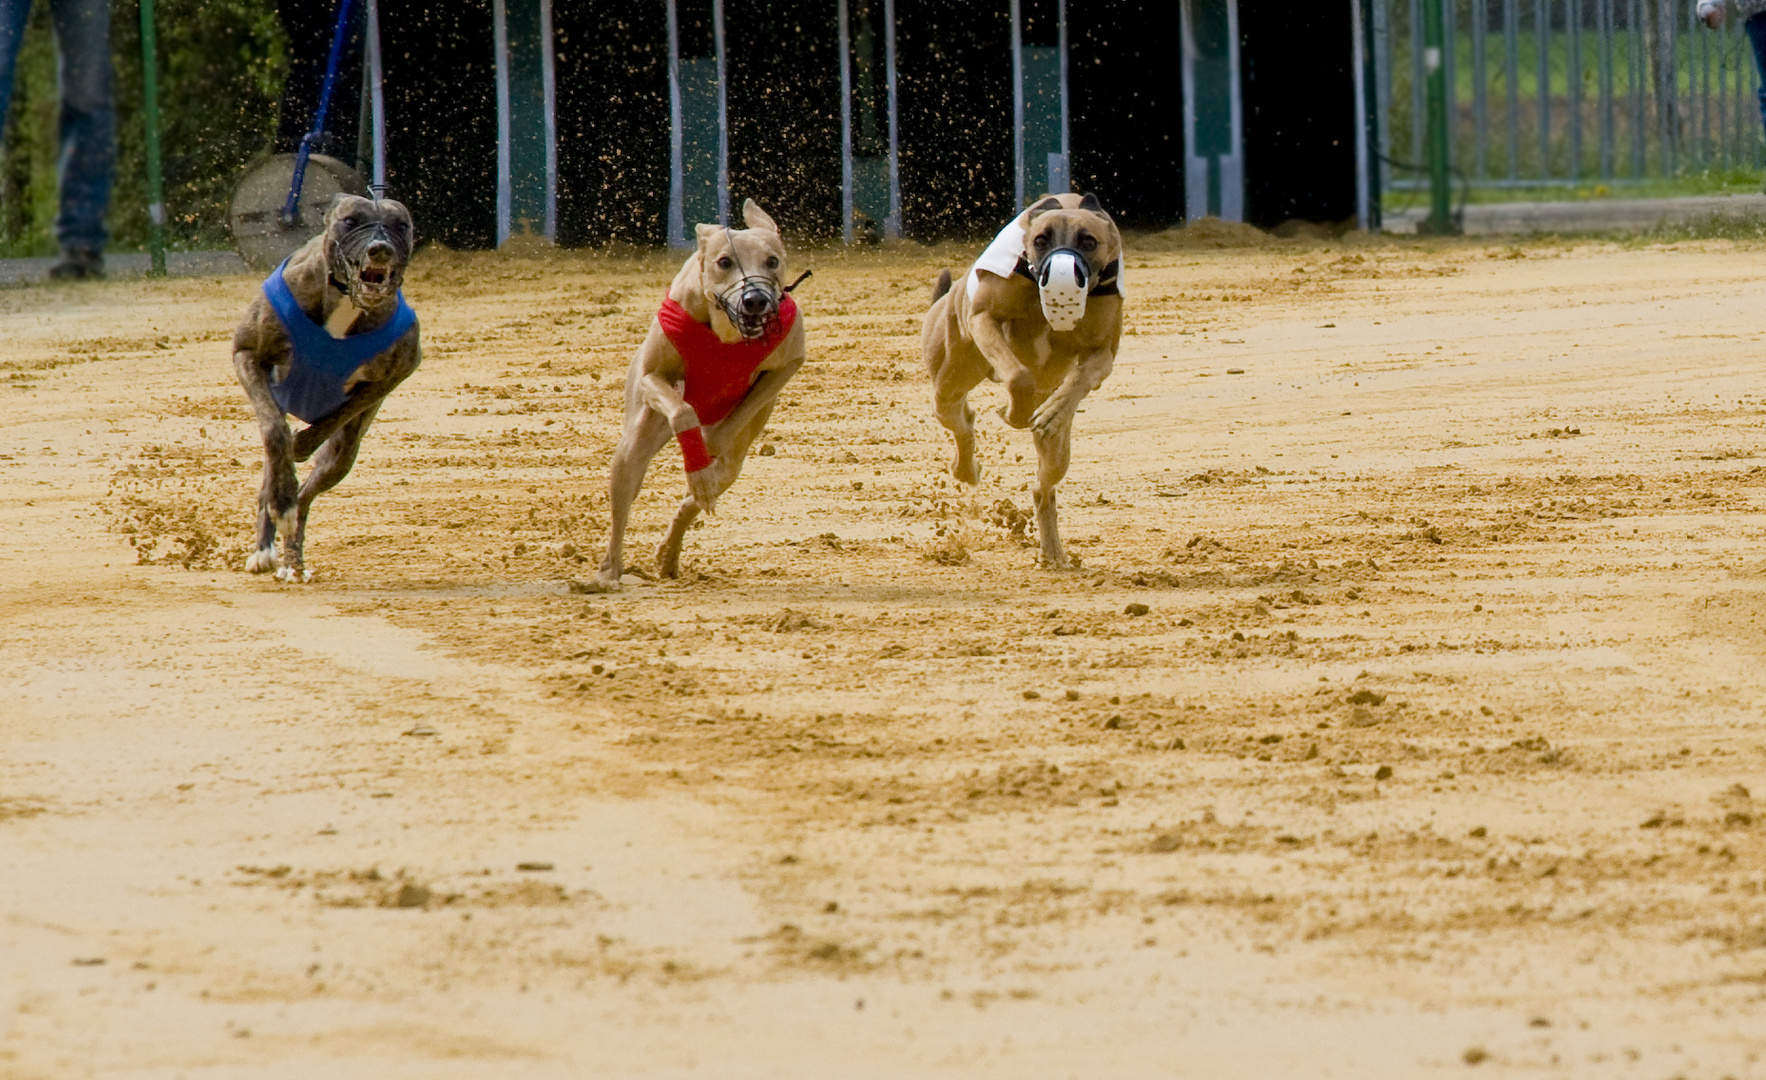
(260, 560)
(290, 574)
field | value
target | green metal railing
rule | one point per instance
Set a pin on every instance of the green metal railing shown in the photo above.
(1565, 92)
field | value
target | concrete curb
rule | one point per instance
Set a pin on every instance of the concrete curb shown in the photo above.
(128, 264)
(1593, 215)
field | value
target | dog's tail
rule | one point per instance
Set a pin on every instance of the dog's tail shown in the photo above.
(942, 286)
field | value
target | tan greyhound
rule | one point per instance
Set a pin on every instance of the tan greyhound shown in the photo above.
(725, 342)
(1040, 311)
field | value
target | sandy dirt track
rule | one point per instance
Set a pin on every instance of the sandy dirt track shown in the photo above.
(1404, 718)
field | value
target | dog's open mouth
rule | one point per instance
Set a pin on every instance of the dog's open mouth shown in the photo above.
(373, 285)
(753, 326)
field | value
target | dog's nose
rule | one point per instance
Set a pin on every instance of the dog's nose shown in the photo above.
(755, 302)
(380, 251)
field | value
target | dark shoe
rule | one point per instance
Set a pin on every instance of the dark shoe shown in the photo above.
(78, 264)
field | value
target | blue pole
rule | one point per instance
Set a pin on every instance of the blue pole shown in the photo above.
(291, 208)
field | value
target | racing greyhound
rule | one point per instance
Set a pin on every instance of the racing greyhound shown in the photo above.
(325, 340)
(724, 343)
(1040, 311)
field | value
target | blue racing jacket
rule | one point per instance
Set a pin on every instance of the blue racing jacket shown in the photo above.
(321, 364)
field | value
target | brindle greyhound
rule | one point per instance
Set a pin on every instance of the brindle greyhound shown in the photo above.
(327, 338)
(1040, 311)
(725, 342)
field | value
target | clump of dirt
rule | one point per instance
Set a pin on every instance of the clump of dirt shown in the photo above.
(178, 506)
(372, 888)
(951, 549)
(1019, 523)
(1203, 232)
(1042, 782)
(19, 808)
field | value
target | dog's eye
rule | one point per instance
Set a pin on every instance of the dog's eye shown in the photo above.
(1086, 243)
(724, 263)
(1041, 242)
(772, 263)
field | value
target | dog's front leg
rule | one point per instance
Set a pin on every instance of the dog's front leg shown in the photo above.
(279, 495)
(331, 464)
(728, 441)
(759, 398)
(1051, 430)
(990, 339)
(310, 438)
(664, 397)
(1087, 375)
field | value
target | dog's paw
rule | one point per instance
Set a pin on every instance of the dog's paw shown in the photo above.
(1047, 422)
(261, 561)
(1011, 418)
(293, 576)
(968, 470)
(596, 585)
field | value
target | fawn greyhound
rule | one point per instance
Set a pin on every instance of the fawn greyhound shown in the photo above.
(1040, 311)
(724, 343)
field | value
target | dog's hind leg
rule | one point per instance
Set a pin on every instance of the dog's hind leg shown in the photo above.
(1054, 450)
(956, 368)
(958, 417)
(732, 453)
(645, 434)
(950, 401)
(668, 553)
(331, 463)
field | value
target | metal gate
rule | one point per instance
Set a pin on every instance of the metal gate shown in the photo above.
(1568, 92)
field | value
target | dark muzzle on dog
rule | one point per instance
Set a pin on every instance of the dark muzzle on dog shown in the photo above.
(372, 258)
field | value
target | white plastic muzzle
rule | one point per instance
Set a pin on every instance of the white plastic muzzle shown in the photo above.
(1063, 284)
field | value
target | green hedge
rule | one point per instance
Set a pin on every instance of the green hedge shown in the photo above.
(222, 64)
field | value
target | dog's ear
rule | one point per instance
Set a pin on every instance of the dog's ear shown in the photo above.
(1050, 203)
(705, 233)
(1090, 202)
(755, 218)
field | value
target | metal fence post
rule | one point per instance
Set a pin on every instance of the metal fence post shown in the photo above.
(1511, 58)
(1542, 81)
(1440, 189)
(1573, 74)
(1480, 89)
(1606, 88)
(156, 201)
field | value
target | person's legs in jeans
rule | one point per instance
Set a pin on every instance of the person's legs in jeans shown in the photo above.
(1755, 27)
(13, 16)
(88, 124)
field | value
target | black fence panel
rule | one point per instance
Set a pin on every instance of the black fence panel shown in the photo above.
(1298, 84)
(956, 116)
(611, 61)
(783, 63)
(1127, 108)
(441, 117)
